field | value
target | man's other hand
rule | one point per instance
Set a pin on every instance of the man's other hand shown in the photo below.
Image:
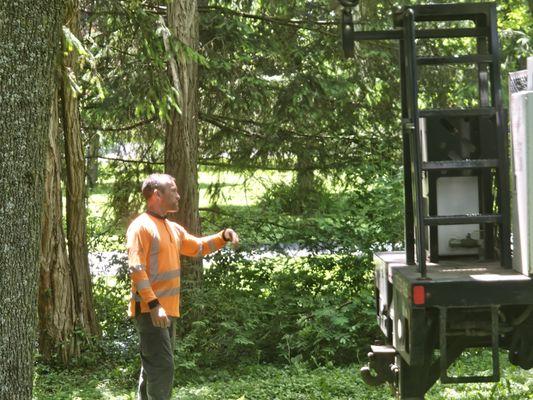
(159, 317)
(231, 236)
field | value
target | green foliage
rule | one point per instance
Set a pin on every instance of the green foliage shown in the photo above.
(106, 381)
(111, 295)
(365, 216)
(296, 382)
(126, 199)
(105, 227)
(306, 108)
(118, 340)
(277, 310)
(263, 382)
(275, 91)
(288, 199)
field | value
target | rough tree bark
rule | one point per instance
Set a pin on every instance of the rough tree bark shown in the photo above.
(181, 147)
(30, 32)
(56, 295)
(75, 183)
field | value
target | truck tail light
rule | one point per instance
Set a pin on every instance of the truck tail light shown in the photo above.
(419, 295)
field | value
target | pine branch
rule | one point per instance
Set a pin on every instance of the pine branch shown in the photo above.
(124, 160)
(204, 162)
(271, 19)
(121, 128)
(215, 120)
(218, 210)
(295, 23)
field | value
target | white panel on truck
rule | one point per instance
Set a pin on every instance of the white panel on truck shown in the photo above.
(457, 195)
(522, 191)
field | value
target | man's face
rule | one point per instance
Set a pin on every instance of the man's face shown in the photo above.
(169, 197)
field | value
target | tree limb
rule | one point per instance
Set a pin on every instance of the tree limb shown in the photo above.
(214, 120)
(125, 160)
(218, 210)
(295, 23)
(277, 20)
(121, 128)
(207, 163)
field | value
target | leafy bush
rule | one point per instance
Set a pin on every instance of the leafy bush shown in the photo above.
(118, 332)
(315, 309)
(256, 307)
(251, 309)
(363, 218)
(111, 294)
(289, 199)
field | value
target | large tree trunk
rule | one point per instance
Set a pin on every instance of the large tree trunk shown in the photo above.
(92, 160)
(30, 32)
(181, 148)
(56, 295)
(64, 306)
(76, 208)
(305, 183)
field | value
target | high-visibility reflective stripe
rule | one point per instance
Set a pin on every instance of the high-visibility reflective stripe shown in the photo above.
(145, 283)
(135, 296)
(212, 245)
(200, 251)
(154, 254)
(167, 292)
(137, 268)
(165, 276)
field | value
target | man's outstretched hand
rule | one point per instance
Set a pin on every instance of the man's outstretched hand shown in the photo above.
(231, 236)
(159, 317)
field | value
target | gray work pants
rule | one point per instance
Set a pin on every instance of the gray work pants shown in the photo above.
(157, 362)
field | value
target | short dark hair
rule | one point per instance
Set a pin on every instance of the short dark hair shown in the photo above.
(156, 181)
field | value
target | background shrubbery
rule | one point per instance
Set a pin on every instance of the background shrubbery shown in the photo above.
(313, 309)
(300, 288)
(253, 309)
(357, 218)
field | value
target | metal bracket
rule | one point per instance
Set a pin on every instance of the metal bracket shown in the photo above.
(348, 45)
(381, 367)
(444, 362)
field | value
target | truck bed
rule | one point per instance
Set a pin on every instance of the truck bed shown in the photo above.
(457, 282)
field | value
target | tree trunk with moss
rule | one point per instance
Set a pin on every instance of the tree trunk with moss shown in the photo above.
(30, 32)
(181, 147)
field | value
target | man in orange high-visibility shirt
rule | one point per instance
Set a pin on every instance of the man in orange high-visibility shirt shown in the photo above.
(154, 248)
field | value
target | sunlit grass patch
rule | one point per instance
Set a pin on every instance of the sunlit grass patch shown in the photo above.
(515, 383)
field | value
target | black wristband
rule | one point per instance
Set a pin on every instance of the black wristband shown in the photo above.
(153, 304)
